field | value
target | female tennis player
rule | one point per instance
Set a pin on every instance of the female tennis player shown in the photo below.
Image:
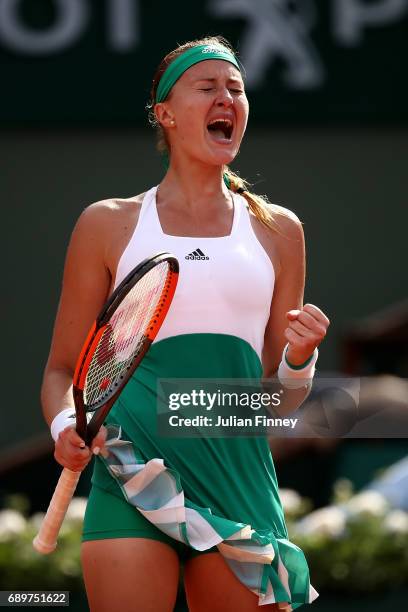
(238, 313)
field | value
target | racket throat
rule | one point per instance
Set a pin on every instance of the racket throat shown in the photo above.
(81, 421)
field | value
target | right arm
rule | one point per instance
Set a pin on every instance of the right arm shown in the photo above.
(86, 285)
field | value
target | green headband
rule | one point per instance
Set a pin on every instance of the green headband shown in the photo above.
(183, 62)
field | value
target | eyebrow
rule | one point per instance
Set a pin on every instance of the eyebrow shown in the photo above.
(212, 80)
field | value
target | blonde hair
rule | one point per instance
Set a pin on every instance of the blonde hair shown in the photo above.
(258, 205)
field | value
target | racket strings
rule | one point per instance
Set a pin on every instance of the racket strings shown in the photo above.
(125, 334)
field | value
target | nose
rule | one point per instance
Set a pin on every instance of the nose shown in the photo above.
(224, 97)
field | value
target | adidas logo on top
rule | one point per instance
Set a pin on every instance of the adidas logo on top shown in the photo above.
(197, 254)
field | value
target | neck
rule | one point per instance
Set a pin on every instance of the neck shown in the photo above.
(193, 184)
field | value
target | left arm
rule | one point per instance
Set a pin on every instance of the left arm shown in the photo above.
(303, 327)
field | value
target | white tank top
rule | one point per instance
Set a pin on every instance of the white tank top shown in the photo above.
(225, 284)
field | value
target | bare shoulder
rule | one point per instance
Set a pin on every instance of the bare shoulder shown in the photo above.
(287, 220)
(108, 225)
(285, 240)
(111, 210)
(286, 223)
(289, 238)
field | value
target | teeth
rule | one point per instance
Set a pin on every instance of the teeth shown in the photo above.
(227, 122)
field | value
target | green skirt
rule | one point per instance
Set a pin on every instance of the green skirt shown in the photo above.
(204, 492)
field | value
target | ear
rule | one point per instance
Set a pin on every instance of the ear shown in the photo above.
(164, 115)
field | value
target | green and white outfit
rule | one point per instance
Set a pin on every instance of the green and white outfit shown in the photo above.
(206, 492)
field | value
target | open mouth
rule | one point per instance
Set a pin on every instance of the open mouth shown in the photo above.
(221, 129)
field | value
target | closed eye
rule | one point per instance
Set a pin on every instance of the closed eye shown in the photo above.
(234, 91)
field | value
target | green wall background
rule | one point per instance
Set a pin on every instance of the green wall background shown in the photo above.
(348, 186)
(306, 60)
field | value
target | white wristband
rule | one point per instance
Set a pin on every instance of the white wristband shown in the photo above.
(65, 418)
(300, 377)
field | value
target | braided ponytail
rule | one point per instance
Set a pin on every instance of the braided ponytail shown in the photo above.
(258, 205)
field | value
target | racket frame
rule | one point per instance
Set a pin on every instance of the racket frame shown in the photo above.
(88, 430)
(46, 539)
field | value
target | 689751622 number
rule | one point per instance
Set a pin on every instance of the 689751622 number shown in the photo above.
(34, 598)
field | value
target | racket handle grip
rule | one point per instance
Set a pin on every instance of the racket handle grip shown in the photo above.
(46, 539)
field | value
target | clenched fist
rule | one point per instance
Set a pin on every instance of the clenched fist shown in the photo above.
(306, 330)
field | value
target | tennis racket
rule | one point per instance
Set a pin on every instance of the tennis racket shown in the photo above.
(115, 346)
